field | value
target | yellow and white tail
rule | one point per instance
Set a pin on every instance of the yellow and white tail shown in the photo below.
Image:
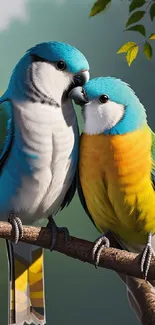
(26, 284)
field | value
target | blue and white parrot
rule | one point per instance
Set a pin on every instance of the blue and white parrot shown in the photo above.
(38, 158)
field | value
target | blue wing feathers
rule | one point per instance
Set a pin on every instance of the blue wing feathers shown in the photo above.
(6, 131)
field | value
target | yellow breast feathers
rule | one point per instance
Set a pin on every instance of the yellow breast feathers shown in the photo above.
(115, 175)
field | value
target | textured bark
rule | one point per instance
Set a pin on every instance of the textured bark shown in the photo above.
(142, 292)
(111, 258)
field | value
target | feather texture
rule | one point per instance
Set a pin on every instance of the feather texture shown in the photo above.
(117, 168)
(38, 160)
(42, 162)
(116, 182)
(26, 284)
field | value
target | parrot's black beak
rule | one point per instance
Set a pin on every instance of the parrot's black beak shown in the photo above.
(79, 79)
(78, 95)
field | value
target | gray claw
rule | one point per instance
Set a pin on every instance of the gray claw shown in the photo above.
(65, 231)
(99, 245)
(18, 227)
(146, 257)
(54, 229)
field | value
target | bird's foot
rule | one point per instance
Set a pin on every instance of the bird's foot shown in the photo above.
(55, 230)
(147, 254)
(99, 245)
(17, 226)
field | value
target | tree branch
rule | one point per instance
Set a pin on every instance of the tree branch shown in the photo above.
(111, 258)
(124, 263)
(141, 290)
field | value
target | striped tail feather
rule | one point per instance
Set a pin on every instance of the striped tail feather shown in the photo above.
(36, 285)
(26, 284)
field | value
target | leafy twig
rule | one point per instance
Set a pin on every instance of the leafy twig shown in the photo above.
(144, 7)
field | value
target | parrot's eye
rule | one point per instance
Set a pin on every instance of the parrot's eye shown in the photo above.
(61, 65)
(103, 99)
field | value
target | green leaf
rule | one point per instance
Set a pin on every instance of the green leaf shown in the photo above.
(136, 4)
(125, 47)
(152, 36)
(148, 50)
(136, 16)
(132, 54)
(138, 28)
(152, 11)
(99, 5)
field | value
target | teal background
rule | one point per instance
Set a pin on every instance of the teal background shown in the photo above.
(77, 293)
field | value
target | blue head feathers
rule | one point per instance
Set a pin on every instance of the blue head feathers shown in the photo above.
(55, 51)
(119, 92)
(74, 62)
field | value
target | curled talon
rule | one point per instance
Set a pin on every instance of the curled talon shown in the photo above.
(54, 229)
(100, 243)
(18, 227)
(147, 254)
(65, 231)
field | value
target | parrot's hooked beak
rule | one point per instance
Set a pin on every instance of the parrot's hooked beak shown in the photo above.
(79, 79)
(78, 95)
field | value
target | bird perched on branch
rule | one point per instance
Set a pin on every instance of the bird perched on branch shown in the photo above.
(38, 159)
(117, 166)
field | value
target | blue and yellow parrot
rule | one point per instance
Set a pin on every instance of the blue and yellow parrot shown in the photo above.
(117, 166)
(39, 151)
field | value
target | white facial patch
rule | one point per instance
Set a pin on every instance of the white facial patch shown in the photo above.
(49, 80)
(101, 117)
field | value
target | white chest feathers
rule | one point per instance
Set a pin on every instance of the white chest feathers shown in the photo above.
(44, 155)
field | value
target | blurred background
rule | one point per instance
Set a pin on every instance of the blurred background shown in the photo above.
(76, 293)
